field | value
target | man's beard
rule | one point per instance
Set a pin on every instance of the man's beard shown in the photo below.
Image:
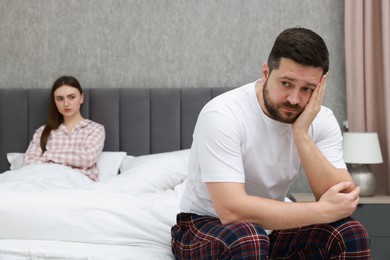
(275, 110)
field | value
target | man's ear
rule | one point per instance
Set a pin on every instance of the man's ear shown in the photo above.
(265, 70)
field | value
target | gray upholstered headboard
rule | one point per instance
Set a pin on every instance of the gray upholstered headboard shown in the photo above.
(137, 120)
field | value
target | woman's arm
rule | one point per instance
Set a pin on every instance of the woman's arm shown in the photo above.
(81, 151)
(34, 151)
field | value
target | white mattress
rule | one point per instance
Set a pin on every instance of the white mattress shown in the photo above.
(46, 250)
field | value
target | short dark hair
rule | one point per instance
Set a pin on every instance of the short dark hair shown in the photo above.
(301, 45)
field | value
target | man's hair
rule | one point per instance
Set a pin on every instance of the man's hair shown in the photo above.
(301, 45)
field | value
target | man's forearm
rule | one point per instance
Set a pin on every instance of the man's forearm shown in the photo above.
(320, 173)
(272, 214)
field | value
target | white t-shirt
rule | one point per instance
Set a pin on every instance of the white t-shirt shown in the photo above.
(234, 141)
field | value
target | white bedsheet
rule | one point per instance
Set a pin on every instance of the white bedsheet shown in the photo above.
(89, 216)
(42, 177)
(48, 212)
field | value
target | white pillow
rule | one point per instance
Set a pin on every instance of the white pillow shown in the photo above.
(15, 160)
(126, 163)
(150, 173)
(108, 162)
(178, 155)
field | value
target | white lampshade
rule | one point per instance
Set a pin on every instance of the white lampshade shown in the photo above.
(361, 148)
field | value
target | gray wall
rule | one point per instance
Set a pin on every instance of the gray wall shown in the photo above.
(159, 43)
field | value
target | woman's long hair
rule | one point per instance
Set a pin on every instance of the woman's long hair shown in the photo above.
(55, 118)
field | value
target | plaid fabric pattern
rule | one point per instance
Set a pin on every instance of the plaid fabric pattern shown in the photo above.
(79, 149)
(203, 237)
(344, 239)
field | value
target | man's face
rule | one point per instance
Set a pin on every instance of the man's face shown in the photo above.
(288, 89)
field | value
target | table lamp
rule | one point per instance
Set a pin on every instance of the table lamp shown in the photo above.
(360, 150)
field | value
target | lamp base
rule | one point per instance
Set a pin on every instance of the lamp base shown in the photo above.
(365, 179)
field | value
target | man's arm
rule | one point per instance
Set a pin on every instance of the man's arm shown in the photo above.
(321, 174)
(234, 205)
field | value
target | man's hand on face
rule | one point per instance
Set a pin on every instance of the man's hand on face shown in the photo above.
(301, 125)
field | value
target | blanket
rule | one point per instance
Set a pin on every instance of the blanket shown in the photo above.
(133, 210)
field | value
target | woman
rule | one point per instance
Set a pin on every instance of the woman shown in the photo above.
(67, 138)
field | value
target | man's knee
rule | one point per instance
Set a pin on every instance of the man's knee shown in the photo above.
(235, 241)
(245, 241)
(354, 235)
(347, 238)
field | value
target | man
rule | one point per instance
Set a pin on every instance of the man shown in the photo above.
(249, 145)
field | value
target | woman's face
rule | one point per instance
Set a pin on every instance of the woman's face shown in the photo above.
(68, 101)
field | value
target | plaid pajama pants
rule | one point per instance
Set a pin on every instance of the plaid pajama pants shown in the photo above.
(204, 237)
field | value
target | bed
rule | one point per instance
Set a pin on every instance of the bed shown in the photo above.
(50, 212)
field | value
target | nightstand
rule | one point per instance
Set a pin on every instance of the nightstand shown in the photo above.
(374, 214)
